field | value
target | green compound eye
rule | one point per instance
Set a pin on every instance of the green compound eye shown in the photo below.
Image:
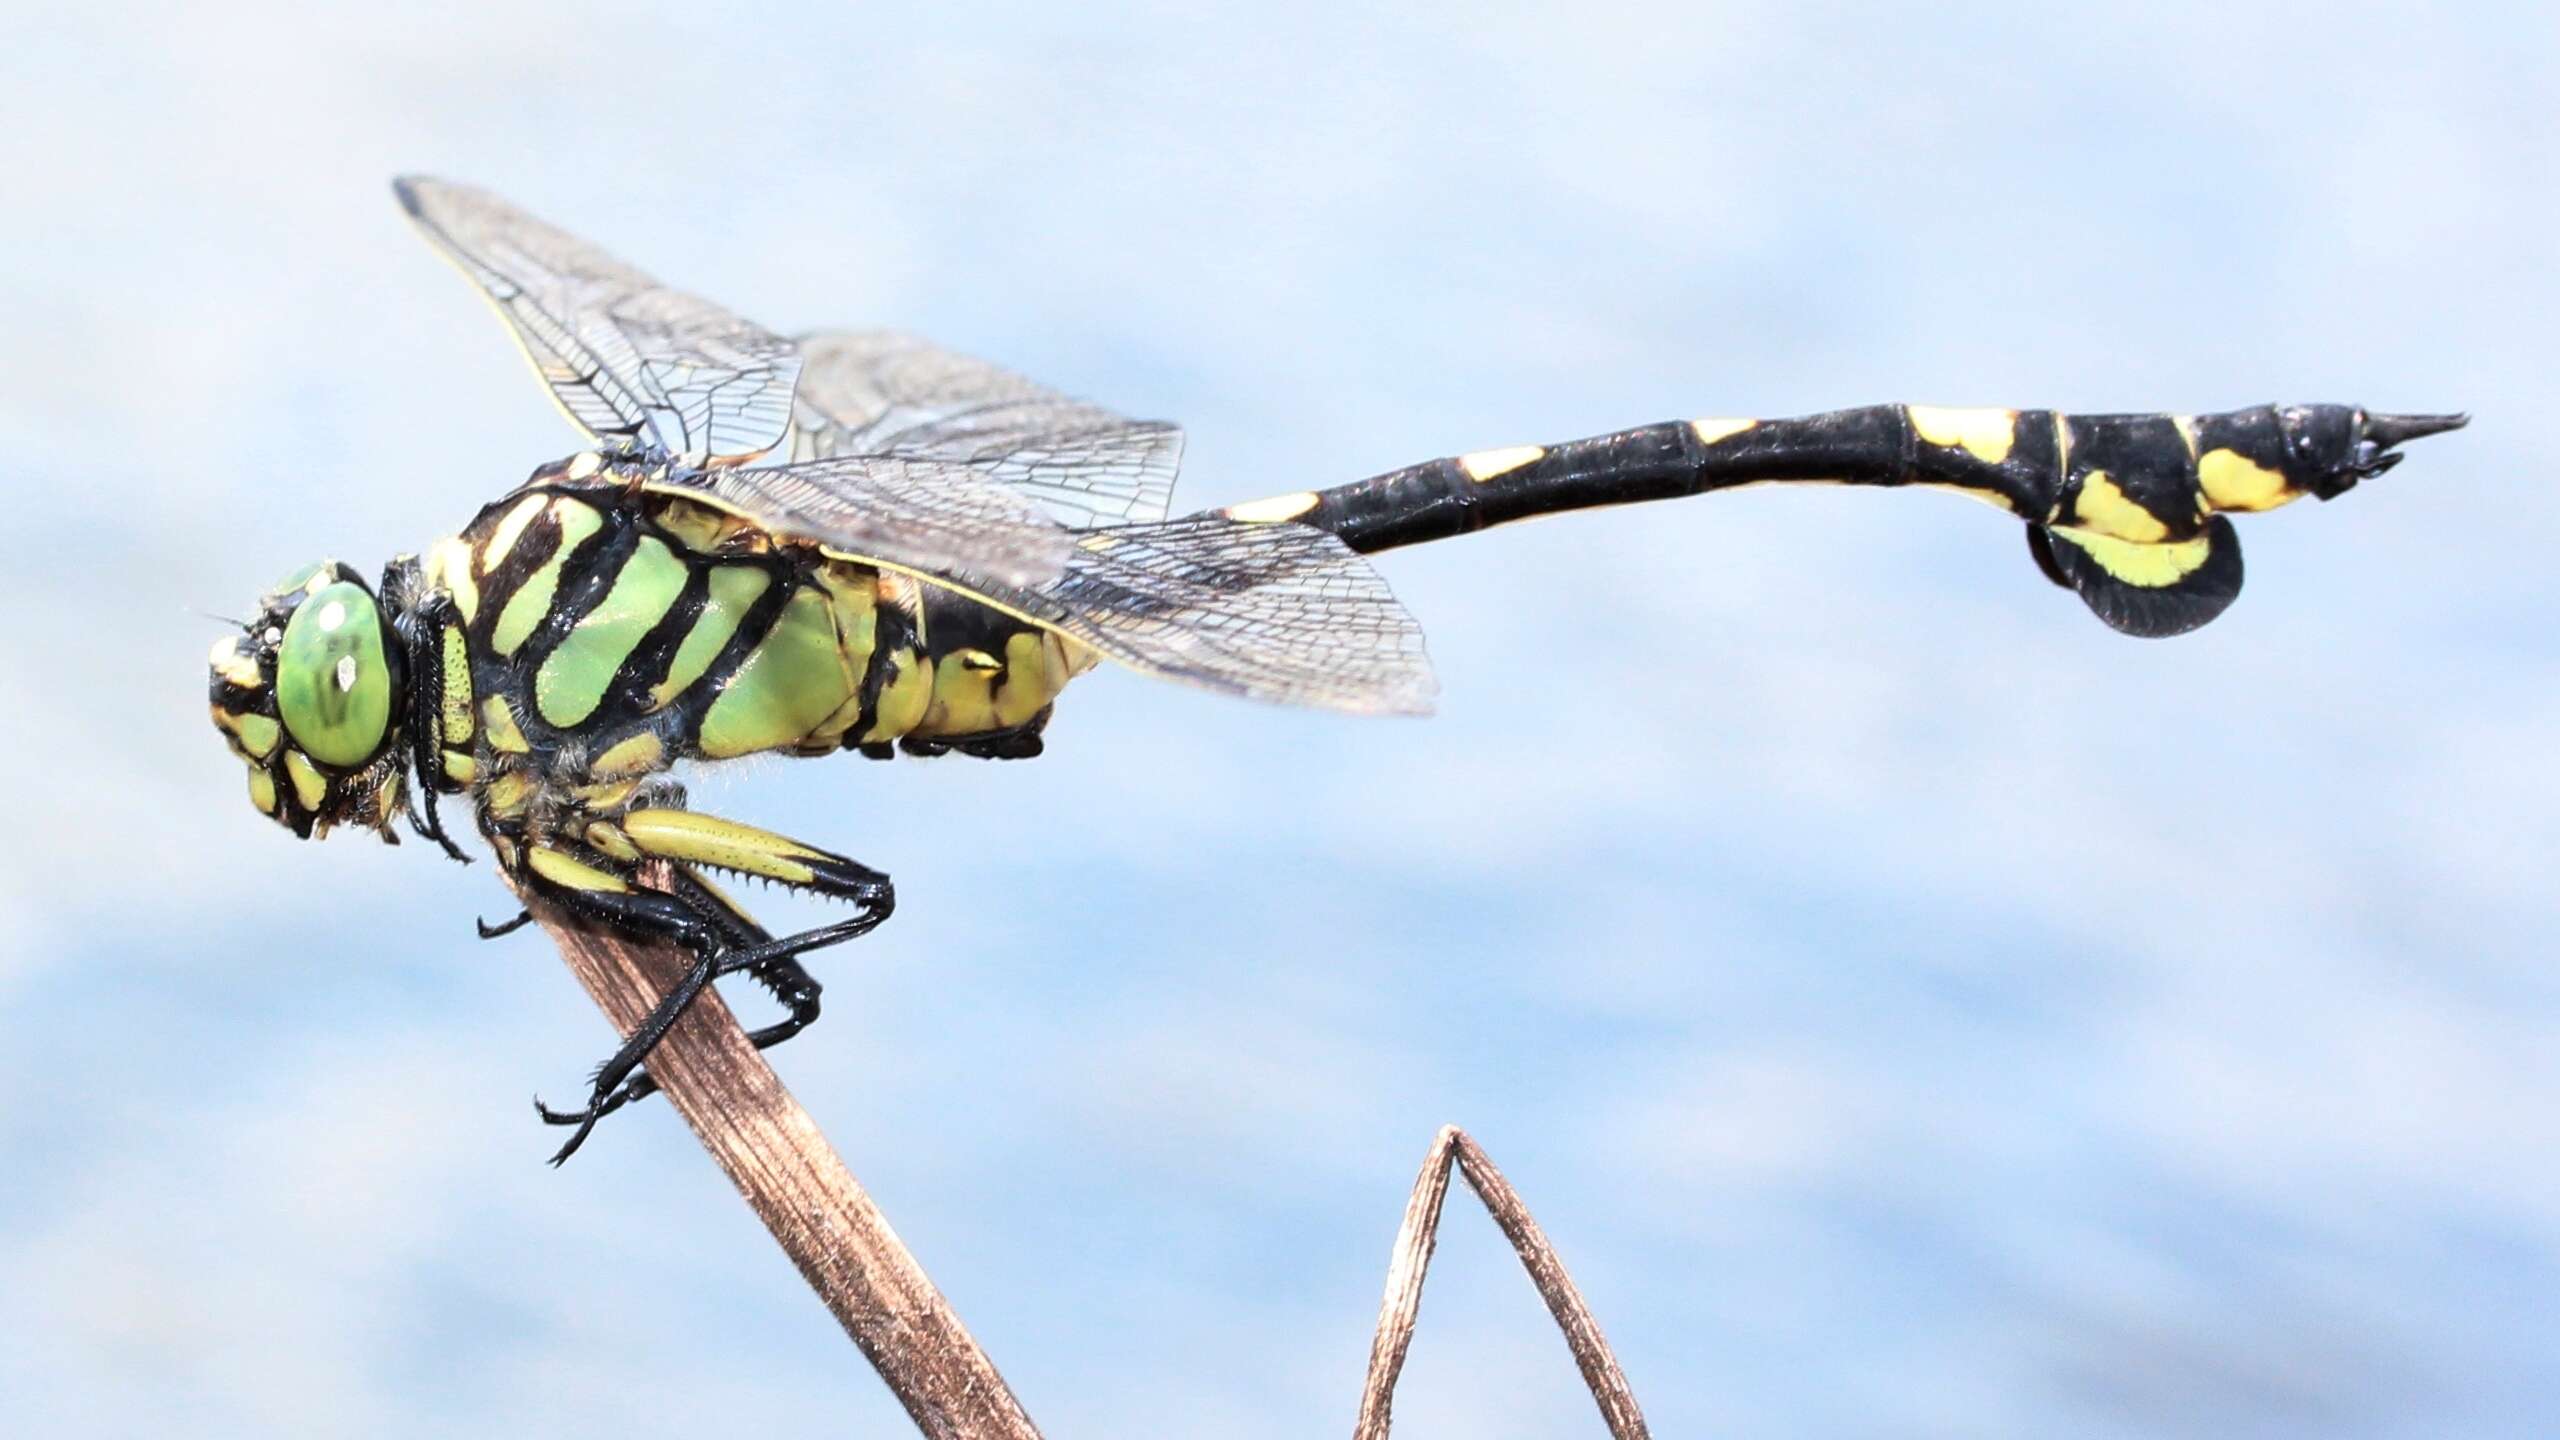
(297, 579)
(332, 686)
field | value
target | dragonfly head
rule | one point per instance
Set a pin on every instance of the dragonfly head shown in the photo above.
(309, 696)
(2328, 448)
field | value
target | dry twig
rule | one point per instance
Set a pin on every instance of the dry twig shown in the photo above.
(776, 1156)
(1412, 1259)
(778, 1159)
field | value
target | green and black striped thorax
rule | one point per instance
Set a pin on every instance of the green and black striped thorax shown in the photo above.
(609, 628)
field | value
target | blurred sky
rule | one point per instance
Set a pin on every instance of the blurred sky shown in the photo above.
(1913, 1009)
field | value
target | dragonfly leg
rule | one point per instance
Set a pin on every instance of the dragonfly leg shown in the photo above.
(422, 630)
(503, 927)
(789, 982)
(722, 940)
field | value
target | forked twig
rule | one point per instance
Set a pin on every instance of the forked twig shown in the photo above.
(1412, 1259)
(820, 1216)
(776, 1156)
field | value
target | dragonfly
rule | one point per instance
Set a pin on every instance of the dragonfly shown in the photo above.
(863, 541)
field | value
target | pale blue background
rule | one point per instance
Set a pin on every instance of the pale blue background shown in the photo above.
(1914, 1010)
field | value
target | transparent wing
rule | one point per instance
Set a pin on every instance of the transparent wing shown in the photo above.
(1278, 612)
(881, 393)
(627, 358)
(934, 517)
(1284, 613)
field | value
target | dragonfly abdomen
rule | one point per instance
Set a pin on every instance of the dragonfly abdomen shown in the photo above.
(2125, 509)
(2093, 472)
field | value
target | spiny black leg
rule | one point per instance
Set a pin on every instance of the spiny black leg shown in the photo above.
(653, 914)
(433, 826)
(492, 932)
(790, 984)
(619, 1065)
(798, 990)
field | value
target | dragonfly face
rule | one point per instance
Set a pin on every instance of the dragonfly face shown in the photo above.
(308, 695)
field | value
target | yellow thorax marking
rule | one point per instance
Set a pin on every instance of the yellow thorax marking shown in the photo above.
(2187, 432)
(2153, 567)
(706, 530)
(262, 790)
(1483, 465)
(699, 839)
(608, 795)
(508, 793)
(633, 755)
(503, 731)
(2104, 508)
(1029, 682)
(234, 667)
(461, 767)
(1068, 658)
(449, 568)
(1986, 435)
(963, 694)
(1711, 430)
(509, 531)
(526, 608)
(855, 594)
(903, 700)
(309, 785)
(2233, 481)
(1271, 511)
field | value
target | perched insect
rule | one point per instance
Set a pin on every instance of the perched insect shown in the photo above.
(948, 544)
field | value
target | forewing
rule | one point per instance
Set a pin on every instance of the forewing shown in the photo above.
(932, 517)
(627, 358)
(881, 393)
(1283, 613)
(1278, 612)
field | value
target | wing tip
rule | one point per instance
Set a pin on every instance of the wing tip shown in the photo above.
(1416, 693)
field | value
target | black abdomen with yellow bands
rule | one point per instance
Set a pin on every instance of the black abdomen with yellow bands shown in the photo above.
(2127, 510)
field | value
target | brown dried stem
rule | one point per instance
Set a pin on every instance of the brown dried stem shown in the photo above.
(820, 1216)
(776, 1156)
(1411, 1260)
